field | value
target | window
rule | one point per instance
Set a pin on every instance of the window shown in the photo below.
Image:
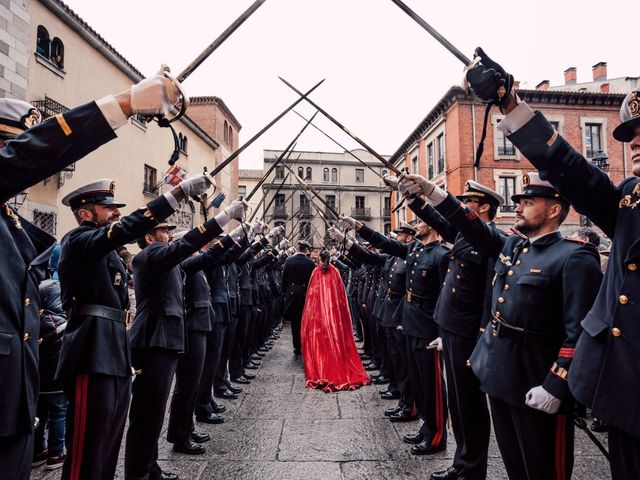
(592, 138)
(325, 175)
(43, 42)
(359, 175)
(57, 53)
(331, 201)
(430, 160)
(279, 172)
(242, 190)
(503, 147)
(230, 137)
(441, 152)
(309, 174)
(301, 172)
(414, 164)
(305, 231)
(334, 174)
(387, 229)
(280, 200)
(359, 202)
(304, 202)
(182, 143)
(387, 207)
(506, 188)
(150, 179)
(47, 221)
(225, 132)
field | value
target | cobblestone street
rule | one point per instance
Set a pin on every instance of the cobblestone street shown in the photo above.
(278, 429)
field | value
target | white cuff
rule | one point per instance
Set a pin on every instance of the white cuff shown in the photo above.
(516, 118)
(437, 196)
(222, 218)
(172, 200)
(112, 112)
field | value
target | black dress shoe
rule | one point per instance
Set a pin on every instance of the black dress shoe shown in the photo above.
(228, 394)
(256, 356)
(387, 395)
(413, 438)
(380, 380)
(424, 448)
(248, 376)
(211, 418)
(219, 409)
(403, 416)
(451, 473)
(364, 356)
(169, 476)
(200, 437)
(599, 425)
(263, 350)
(233, 389)
(189, 447)
(390, 411)
(372, 366)
(241, 380)
(252, 366)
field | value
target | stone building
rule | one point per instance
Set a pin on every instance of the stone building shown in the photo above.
(342, 181)
(247, 180)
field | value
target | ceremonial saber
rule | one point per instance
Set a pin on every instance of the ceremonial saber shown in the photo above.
(291, 146)
(312, 190)
(219, 41)
(341, 146)
(432, 31)
(383, 160)
(232, 157)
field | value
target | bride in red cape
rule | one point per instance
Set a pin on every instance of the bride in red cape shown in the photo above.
(331, 360)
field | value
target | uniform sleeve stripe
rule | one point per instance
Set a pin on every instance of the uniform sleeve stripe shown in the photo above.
(63, 124)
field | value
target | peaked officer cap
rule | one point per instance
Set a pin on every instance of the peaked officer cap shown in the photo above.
(475, 189)
(405, 228)
(99, 192)
(16, 116)
(534, 186)
(304, 243)
(629, 116)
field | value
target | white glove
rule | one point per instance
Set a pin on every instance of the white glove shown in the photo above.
(291, 250)
(542, 400)
(437, 344)
(256, 227)
(336, 234)
(237, 233)
(283, 245)
(347, 222)
(236, 209)
(154, 95)
(196, 185)
(392, 181)
(412, 184)
(277, 231)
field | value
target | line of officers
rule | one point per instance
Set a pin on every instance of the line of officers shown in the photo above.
(207, 303)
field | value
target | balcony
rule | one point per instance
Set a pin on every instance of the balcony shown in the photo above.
(305, 211)
(386, 213)
(507, 151)
(279, 211)
(361, 213)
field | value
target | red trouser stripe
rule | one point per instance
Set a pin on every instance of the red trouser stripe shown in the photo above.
(437, 438)
(561, 447)
(79, 424)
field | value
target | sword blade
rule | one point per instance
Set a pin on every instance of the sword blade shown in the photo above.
(219, 41)
(433, 32)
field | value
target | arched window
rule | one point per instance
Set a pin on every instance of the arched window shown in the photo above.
(325, 175)
(43, 42)
(308, 173)
(230, 136)
(226, 132)
(57, 52)
(301, 172)
(334, 174)
(182, 142)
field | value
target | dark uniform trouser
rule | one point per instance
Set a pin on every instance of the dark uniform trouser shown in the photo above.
(215, 339)
(534, 445)
(394, 367)
(468, 406)
(624, 451)
(428, 388)
(236, 358)
(293, 313)
(151, 389)
(96, 416)
(183, 402)
(16, 455)
(219, 382)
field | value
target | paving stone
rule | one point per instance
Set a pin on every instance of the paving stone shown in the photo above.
(310, 405)
(273, 471)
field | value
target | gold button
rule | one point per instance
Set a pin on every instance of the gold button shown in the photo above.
(632, 266)
(623, 299)
(518, 262)
(462, 265)
(506, 286)
(458, 277)
(498, 314)
(525, 250)
(468, 363)
(615, 331)
(500, 300)
(452, 257)
(27, 302)
(448, 270)
(453, 290)
(26, 336)
(510, 273)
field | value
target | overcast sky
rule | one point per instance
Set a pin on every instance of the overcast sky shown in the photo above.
(383, 71)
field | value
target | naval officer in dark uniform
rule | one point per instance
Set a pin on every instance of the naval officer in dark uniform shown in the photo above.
(295, 280)
(542, 288)
(601, 374)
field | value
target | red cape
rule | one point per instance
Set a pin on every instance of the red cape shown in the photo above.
(331, 360)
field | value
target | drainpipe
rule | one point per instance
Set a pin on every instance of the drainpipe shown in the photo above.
(473, 136)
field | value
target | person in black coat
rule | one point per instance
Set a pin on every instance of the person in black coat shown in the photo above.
(543, 286)
(158, 333)
(295, 280)
(32, 156)
(601, 377)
